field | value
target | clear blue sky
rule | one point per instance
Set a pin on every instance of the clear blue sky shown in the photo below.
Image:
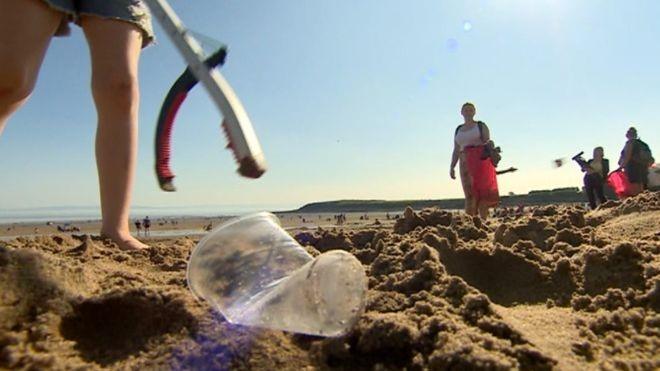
(358, 99)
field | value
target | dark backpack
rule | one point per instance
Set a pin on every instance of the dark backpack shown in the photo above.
(643, 154)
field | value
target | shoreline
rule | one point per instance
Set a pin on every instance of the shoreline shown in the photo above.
(172, 227)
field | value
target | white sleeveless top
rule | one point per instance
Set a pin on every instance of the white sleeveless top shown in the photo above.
(470, 137)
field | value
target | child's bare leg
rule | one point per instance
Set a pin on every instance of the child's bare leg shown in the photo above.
(470, 205)
(26, 27)
(483, 211)
(115, 49)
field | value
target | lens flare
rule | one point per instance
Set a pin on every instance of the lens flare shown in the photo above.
(452, 44)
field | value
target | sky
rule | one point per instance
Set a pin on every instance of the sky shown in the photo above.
(357, 100)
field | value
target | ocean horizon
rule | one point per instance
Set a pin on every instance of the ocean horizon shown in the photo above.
(80, 213)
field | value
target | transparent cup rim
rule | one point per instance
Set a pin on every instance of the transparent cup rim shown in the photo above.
(217, 229)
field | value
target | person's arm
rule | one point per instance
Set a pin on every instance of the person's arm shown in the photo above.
(454, 160)
(606, 167)
(627, 154)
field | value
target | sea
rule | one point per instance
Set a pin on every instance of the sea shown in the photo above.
(82, 213)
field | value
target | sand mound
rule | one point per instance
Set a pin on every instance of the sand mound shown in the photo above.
(78, 302)
(562, 288)
(646, 201)
(434, 281)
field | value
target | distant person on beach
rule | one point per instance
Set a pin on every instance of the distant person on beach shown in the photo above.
(116, 31)
(478, 177)
(635, 160)
(146, 223)
(596, 171)
(138, 226)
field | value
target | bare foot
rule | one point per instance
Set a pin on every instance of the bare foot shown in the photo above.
(125, 241)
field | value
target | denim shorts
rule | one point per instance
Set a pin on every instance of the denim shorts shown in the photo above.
(132, 11)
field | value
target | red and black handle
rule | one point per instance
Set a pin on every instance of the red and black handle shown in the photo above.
(166, 118)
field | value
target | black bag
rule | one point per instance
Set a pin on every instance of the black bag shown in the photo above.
(493, 152)
(643, 154)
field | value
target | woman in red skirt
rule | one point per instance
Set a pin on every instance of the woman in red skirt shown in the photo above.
(477, 173)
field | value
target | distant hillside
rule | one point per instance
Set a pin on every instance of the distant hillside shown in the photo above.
(544, 197)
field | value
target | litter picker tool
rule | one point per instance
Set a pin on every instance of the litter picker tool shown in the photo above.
(241, 138)
(506, 171)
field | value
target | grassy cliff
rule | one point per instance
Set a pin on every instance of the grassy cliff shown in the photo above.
(544, 197)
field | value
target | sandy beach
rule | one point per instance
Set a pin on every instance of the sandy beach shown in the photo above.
(562, 288)
(191, 226)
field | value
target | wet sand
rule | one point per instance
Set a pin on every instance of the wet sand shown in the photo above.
(560, 289)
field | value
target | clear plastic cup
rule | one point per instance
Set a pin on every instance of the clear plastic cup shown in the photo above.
(256, 274)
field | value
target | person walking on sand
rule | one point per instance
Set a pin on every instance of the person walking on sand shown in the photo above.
(116, 31)
(477, 173)
(146, 223)
(596, 171)
(635, 160)
(138, 226)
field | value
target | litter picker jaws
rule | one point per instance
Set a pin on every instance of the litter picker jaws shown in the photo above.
(242, 140)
